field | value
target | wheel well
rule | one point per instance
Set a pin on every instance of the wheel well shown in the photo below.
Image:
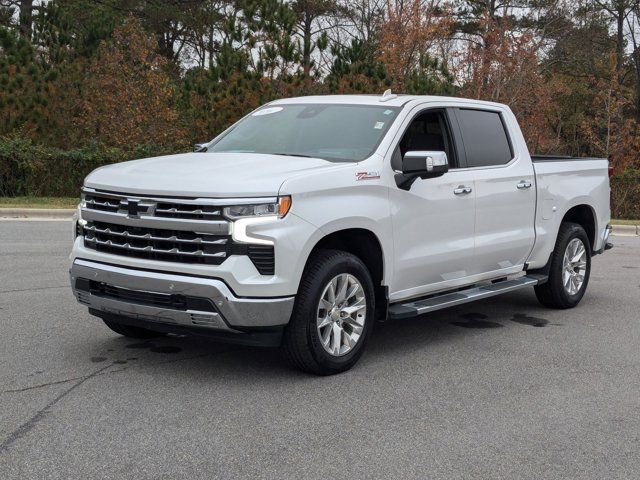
(583, 216)
(365, 245)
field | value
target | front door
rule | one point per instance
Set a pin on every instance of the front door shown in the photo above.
(433, 221)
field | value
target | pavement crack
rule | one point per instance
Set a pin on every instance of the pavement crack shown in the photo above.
(41, 385)
(118, 370)
(23, 429)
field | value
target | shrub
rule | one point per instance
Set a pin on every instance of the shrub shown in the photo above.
(28, 169)
(625, 195)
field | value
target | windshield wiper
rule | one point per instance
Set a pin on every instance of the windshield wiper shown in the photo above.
(293, 155)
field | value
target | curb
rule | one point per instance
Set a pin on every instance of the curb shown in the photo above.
(37, 213)
(625, 230)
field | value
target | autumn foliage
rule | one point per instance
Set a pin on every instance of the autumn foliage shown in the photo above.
(132, 78)
(128, 98)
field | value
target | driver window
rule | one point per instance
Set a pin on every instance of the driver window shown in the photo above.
(427, 131)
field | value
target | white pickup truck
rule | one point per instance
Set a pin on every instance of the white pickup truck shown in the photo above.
(312, 218)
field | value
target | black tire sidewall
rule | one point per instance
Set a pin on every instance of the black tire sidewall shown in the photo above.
(338, 264)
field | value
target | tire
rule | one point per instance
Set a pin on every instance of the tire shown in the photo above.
(131, 331)
(304, 341)
(555, 293)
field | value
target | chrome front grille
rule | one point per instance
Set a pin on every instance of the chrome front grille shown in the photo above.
(171, 230)
(156, 244)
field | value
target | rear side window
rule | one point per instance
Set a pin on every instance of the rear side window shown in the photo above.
(485, 139)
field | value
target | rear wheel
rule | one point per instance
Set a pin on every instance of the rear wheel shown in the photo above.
(333, 315)
(130, 331)
(569, 270)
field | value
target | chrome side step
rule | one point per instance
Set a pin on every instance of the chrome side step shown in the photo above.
(414, 308)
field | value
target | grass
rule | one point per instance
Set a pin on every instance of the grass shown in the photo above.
(38, 202)
(625, 222)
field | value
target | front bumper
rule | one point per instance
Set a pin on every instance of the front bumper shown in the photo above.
(170, 299)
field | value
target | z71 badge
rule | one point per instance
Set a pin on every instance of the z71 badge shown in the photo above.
(367, 175)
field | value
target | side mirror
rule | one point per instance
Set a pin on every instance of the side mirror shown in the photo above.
(200, 147)
(421, 164)
(425, 164)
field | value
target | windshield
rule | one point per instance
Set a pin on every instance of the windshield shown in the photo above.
(333, 132)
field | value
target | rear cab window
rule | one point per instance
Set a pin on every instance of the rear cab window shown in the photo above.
(485, 138)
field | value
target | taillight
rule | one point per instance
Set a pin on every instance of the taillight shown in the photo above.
(610, 171)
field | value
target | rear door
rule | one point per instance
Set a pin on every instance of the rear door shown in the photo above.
(505, 191)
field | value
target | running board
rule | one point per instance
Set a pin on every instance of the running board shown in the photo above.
(418, 307)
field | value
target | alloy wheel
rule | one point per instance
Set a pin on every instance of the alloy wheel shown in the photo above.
(574, 266)
(341, 314)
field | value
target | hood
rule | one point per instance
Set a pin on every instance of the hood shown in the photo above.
(205, 174)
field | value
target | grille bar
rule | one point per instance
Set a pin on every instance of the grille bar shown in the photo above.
(150, 249)
(218, 227)
(148, 236)
(171, 210)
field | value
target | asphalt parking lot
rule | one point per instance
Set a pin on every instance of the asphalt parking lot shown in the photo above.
(497, 389)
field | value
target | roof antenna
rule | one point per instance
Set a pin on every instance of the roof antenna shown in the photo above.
(387, 95)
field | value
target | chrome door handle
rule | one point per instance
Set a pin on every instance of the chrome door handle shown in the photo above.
(524, 184)
(462, 190)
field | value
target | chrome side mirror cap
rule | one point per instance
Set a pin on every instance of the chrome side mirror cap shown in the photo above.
(425, 164)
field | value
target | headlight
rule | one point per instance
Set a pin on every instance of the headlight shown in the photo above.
(280, 208)
(245, 216)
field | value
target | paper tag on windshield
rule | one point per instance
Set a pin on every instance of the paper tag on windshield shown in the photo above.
(266, 111)
(378, 125)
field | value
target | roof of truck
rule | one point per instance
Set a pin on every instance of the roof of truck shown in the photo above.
(387, 98)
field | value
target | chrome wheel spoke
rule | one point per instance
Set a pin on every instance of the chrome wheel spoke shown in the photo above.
(326, 304)
(331, 292)
(326, 337)
(348, 339)
(352, 291)
(356, 328)
(355, 308)
(323, 322)
(336, 339)
(343, 284)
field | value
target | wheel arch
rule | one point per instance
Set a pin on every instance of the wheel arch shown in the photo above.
(585, 216)
(364, 244)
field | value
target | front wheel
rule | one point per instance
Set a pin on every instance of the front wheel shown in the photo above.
(569, 270)
(333, 314)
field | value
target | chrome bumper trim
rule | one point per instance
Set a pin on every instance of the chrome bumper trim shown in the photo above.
(234, 312)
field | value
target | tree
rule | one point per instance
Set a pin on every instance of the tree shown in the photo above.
(128, 97)
(356, 69)
(408, 35)
(505, 69)
(308, 13)
(25, 88)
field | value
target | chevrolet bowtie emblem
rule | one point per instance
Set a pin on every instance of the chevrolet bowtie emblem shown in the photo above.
(132, 208)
